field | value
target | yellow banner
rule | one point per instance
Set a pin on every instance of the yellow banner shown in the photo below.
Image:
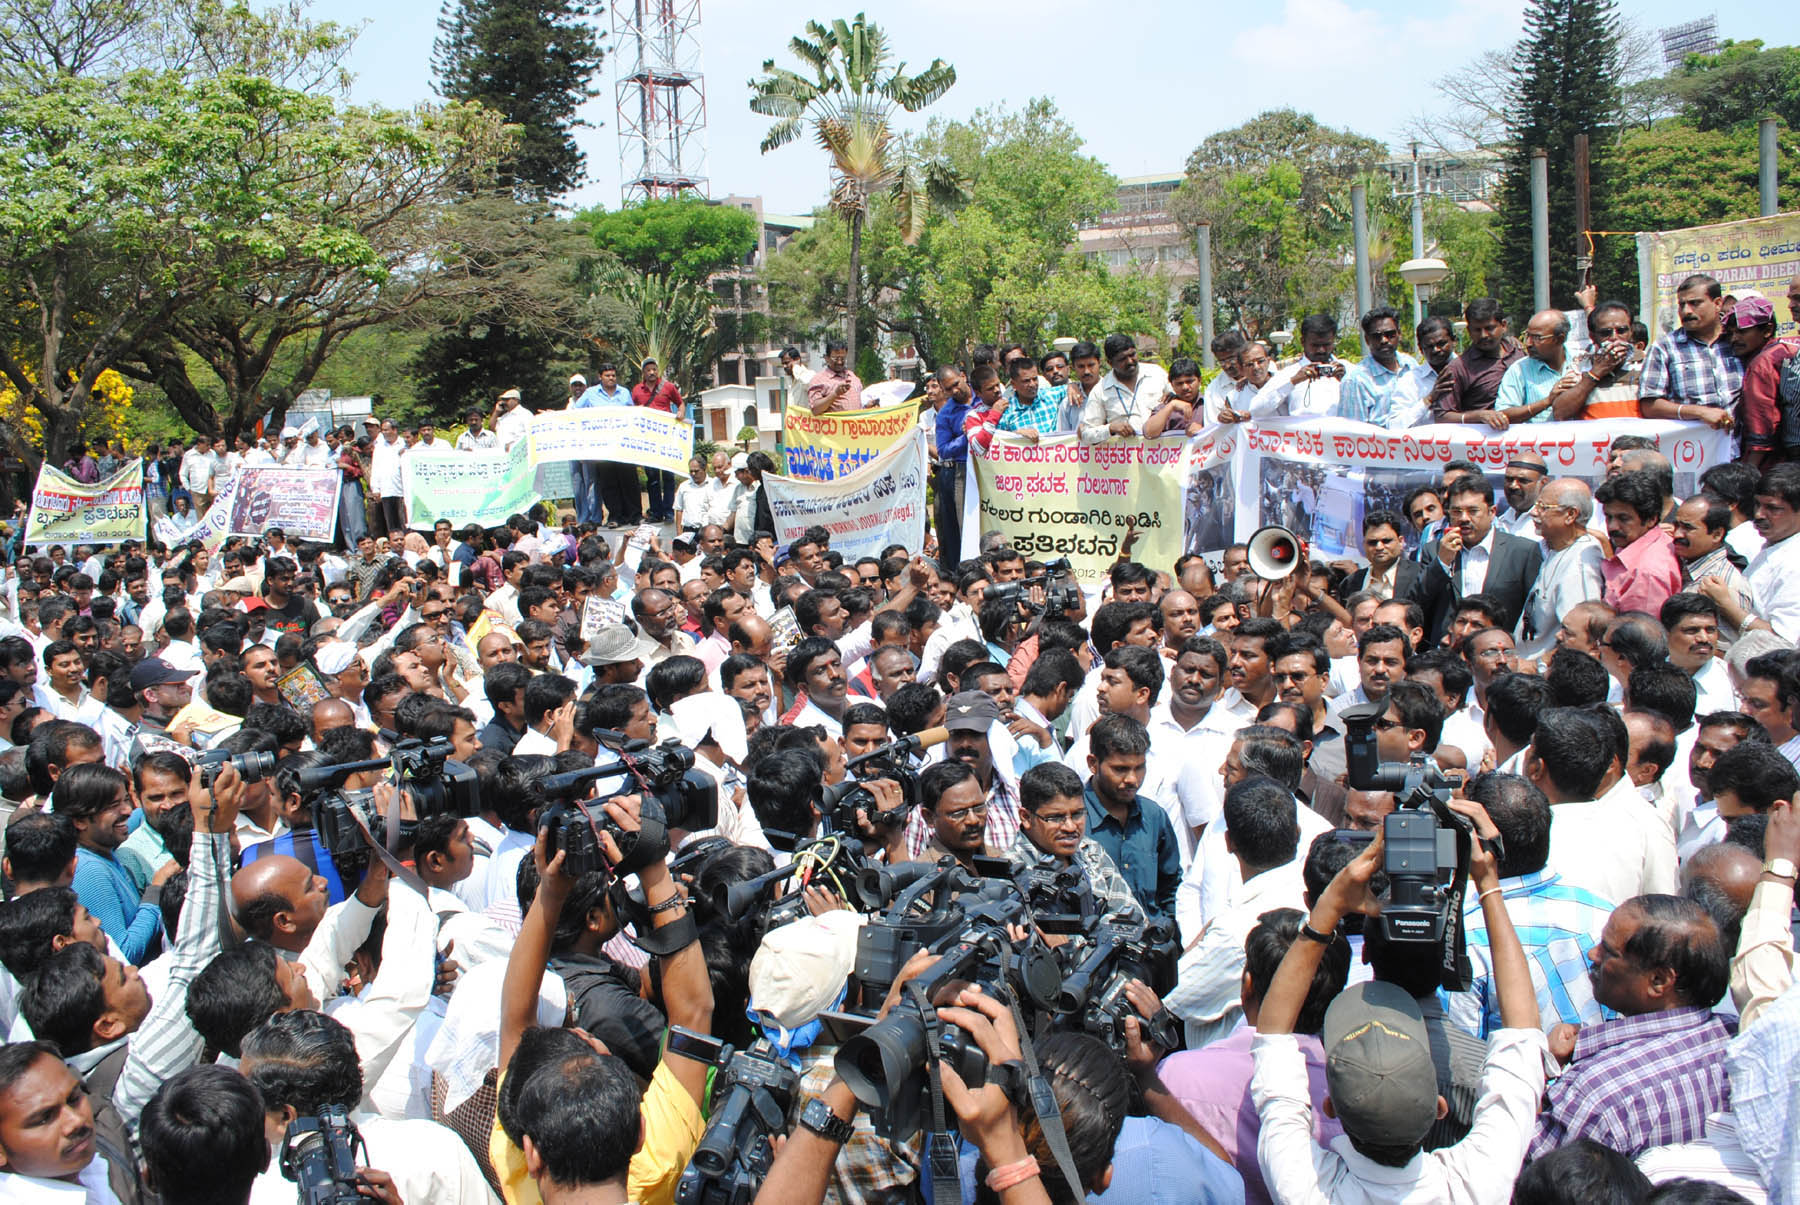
(65, 511)
(825, 447)
(1757, 254)
(1063, 498)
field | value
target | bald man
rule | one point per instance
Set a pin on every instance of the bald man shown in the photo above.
(1528, 386)
(1730, 870)
(1571, 574)
(278, 899)
(752, 636)
(495, 647)
(329, 714)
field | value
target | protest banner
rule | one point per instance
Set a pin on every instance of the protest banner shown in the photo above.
(880, 504)
(302, 502)
(65, 511)
(637, 435)
(484, 488)
(1760, 254)
(1060, 498)
(827, 447)
(1318, 477)
(214, 525)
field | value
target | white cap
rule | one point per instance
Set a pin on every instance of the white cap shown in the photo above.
(334, 657)
(577, 379)
(801, 967)
(720, 716)
(290, 433)
(514, 394)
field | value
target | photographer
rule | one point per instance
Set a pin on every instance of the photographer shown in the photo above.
(303, 1063)
(569, 1118)
(1381, 1081)
(1053, 836)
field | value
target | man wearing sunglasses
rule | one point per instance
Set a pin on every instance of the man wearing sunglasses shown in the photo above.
(1608, 384)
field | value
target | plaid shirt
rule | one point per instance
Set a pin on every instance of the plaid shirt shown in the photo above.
(868, 1170)
(1557, 924)
(1002, 822)
(1042, 414)
(1638, 1082)
(1692, 373)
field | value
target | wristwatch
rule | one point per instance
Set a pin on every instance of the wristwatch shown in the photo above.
(1781, 868)
(818, 1117)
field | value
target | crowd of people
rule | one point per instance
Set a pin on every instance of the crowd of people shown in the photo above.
(242, 921)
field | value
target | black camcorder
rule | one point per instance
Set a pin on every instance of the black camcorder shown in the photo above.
(752, 1093)
(437, 784)
(320, 1155)
(1093, 991)
(1058, 600)
(675, 796)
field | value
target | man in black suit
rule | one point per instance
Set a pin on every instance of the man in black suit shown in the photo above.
(1390, 573)
(1474, 557)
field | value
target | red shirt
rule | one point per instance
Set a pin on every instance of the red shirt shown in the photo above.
(666, 396)
(1642, 575)
(1761, 403)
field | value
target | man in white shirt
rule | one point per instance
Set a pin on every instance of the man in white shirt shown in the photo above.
(1312, 386)
(1596, 844)
(512, 422)
(1436, 341)
(1571, 573)
(796, 377)
(1776, 568)
(476, 439)
(1222, 390)
(387, 480)
(197, 468)
(722, 491)
(1124, 397)
(691, 497)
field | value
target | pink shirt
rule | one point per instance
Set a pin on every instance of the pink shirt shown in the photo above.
(1642, 575)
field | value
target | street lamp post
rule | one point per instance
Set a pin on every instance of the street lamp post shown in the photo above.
(1423, 275)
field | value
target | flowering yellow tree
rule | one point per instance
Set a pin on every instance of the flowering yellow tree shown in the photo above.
(105, 417)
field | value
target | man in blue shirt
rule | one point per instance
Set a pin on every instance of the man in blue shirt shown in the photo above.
(97, 800)
(952, 445)
(1368, 392)
(599, 482)
(1134, 831)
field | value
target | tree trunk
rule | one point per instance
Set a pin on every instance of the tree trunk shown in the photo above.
(854, 293)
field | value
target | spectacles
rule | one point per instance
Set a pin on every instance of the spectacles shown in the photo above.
(1604, 331)
(1383, 724)
(962, 814)
(1066, 820)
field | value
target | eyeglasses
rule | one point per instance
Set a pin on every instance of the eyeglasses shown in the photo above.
(1605, 331)
(1293, 675)
(1065, 820)
(1384, 724)
(962, 814)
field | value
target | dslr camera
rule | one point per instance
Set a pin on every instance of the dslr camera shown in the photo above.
(251, 767)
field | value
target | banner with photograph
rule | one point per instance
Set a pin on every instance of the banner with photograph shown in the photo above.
(637, 435)
(1318, 477)
(302, 502)
(1760, 254)
(485, 488)
(827, 447)
(66, 511)
(881, 503)
(1060, 497)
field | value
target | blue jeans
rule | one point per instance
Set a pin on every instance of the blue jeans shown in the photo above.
(587, 491)
(661, 487)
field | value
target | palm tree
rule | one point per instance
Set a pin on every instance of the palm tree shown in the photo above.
(849, 101)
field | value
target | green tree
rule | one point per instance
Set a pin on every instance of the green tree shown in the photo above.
(1276, 191)
(1565, 83)
(533, 62)
(682, 239)
(850, 103)
(1739, 85)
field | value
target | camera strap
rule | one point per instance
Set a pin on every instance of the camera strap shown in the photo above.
(1043, 1102)
(1455, 973)
(399, 869)
(940, 1148)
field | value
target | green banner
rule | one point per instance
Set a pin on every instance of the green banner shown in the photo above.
(469, 487)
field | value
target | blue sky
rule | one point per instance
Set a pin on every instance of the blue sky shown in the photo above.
(1142, 82)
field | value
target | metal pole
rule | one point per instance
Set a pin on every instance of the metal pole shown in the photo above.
(1767, 176)
(1540, 231)
(1418, 233)
(1203, 256)
(1359, 221)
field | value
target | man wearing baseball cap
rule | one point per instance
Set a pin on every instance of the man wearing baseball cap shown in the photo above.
(1380, 1080)
(970, 717)
(1751, 329)
(511, 420)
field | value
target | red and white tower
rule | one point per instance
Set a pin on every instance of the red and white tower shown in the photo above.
(662, 99)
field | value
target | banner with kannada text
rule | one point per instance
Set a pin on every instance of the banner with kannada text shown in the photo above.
(1318, 477)
(826, 447)
(484, 488)
(1760, 254)
(66, 511)
(302, 502)
(637, 435)
(1060, 497)
(881, 503)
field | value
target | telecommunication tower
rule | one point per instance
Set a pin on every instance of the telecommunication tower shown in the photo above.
(662, 99)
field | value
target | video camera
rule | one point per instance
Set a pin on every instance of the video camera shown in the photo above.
(1058, 600)
(437, 785)
(891, 761)
(753, 1091)
(675, 795)
(1093, 991)
(251, 767)
(966, 924)
(320, 1155)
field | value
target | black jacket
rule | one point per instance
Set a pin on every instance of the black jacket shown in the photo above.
(1512, 570)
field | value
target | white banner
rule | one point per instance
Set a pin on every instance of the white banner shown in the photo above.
(881, 503)
(1318, 477)
(638, 435)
